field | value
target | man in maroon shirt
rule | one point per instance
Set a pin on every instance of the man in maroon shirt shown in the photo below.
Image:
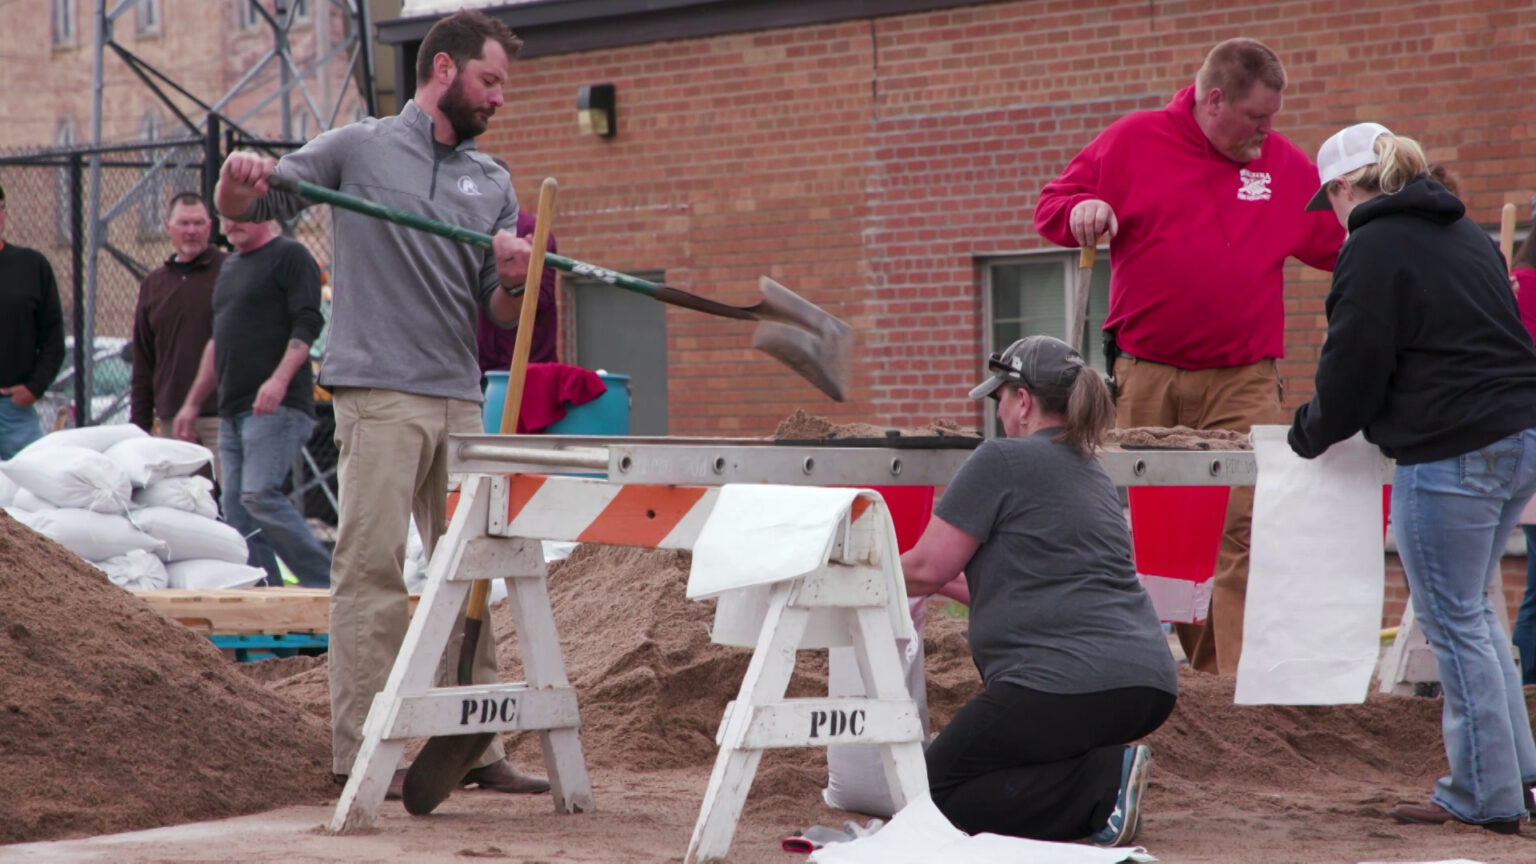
(172, 323)
(494, 344)
(1202, 203)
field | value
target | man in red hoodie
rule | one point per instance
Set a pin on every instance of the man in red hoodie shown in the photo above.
(1202, 202)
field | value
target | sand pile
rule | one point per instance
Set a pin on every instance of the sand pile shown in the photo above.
(801, 426)
(1177, 438)
(651, 684)
(113, 718)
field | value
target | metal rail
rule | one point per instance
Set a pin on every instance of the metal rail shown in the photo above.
(717, 461)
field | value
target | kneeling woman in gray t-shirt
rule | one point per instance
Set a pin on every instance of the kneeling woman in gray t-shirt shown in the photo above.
(1070, 650)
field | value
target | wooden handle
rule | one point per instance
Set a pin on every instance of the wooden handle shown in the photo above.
(524, 343)
(514, 397)
(1507, 234)
(1080, 298)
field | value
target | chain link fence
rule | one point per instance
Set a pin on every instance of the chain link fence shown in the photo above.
(49, 196)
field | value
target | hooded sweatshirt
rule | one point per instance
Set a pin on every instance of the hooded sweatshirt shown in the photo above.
(1425, 349)
(1196, 266)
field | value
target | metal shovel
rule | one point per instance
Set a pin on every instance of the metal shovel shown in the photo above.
(814, 343)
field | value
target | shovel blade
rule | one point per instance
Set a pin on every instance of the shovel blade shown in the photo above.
(439, 769)
(815, 344)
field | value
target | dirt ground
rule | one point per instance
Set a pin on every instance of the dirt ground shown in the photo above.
(114, 720)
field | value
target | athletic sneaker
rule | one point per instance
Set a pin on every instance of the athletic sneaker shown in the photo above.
(1125, 822)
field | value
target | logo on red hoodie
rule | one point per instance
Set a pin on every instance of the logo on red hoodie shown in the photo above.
(1255, 185)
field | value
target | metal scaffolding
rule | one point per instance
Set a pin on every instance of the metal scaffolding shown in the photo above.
(199, 145)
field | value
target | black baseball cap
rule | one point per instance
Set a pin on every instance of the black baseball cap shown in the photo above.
(1034, 361)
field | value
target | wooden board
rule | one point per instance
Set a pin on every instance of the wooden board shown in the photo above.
(248, 610)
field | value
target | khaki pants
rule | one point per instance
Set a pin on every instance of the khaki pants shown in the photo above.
(207, 429)
(393, 464)
(1236, 397)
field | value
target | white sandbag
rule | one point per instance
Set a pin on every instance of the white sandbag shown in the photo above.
(208, 574)
(8, 490)
(1312, 621)
(188, 535)
(97, 438)
(146, 460)
(25, 500)
(192, 494)
(855, 774)
(93, 536)
(415, 568)
(136, 569)
(71, 477)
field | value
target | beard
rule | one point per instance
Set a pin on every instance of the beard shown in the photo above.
(462, 116)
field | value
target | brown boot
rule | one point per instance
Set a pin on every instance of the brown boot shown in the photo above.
(1430, 813)
(500, 776)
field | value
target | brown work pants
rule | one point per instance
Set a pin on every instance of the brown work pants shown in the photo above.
(393, 464)
(1236, 397)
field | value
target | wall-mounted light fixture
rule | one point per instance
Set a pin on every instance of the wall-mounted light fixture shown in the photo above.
(594, 110)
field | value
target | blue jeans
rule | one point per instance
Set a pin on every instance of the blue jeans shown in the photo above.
(18, 427)
(256, 454)
(1525, 620)
(1453, 518)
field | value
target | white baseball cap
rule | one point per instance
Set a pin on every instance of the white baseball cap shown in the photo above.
(1347, 150)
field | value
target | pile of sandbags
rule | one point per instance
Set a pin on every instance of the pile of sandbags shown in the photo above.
(130, 504)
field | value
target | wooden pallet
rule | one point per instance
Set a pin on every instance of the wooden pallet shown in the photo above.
(247, 610)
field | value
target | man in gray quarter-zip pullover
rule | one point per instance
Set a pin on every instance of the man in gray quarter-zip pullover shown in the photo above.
(401, 352)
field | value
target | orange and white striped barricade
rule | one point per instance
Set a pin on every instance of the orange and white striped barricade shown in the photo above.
(410, 707)
(826, 574)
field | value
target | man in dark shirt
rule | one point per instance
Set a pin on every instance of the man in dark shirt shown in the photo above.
(266, 313)
(173, 322)
(31, 339)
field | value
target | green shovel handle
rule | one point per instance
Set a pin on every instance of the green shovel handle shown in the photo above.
(334, 198)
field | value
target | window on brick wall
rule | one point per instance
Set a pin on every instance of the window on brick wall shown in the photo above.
(151, 205)
(1031, 294)
(247, 15)
(63, 22)
(63, 225)
(146, 17)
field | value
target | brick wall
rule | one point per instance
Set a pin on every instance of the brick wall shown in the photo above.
(868, 164)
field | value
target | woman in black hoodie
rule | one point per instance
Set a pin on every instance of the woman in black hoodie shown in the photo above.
(1426, 353)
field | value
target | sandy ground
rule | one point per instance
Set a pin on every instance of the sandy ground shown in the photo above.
(113, 718)
(648, 818)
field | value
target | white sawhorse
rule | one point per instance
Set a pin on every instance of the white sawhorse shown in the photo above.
(410, 707)
(848, 601)
(1410, 661)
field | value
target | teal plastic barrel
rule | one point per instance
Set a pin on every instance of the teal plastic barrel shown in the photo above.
(608, 414)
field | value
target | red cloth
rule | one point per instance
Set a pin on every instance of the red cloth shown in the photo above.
(547, 389)
(1196, 267)
(1525, 298)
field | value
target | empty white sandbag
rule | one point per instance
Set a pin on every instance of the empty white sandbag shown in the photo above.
(92, 536)
(188, 535)
(146, 460)
(192, 494)
(68, 476)
(135, 568)
(8, 490)
(206, 574)
(96, 438)
(25, 500)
